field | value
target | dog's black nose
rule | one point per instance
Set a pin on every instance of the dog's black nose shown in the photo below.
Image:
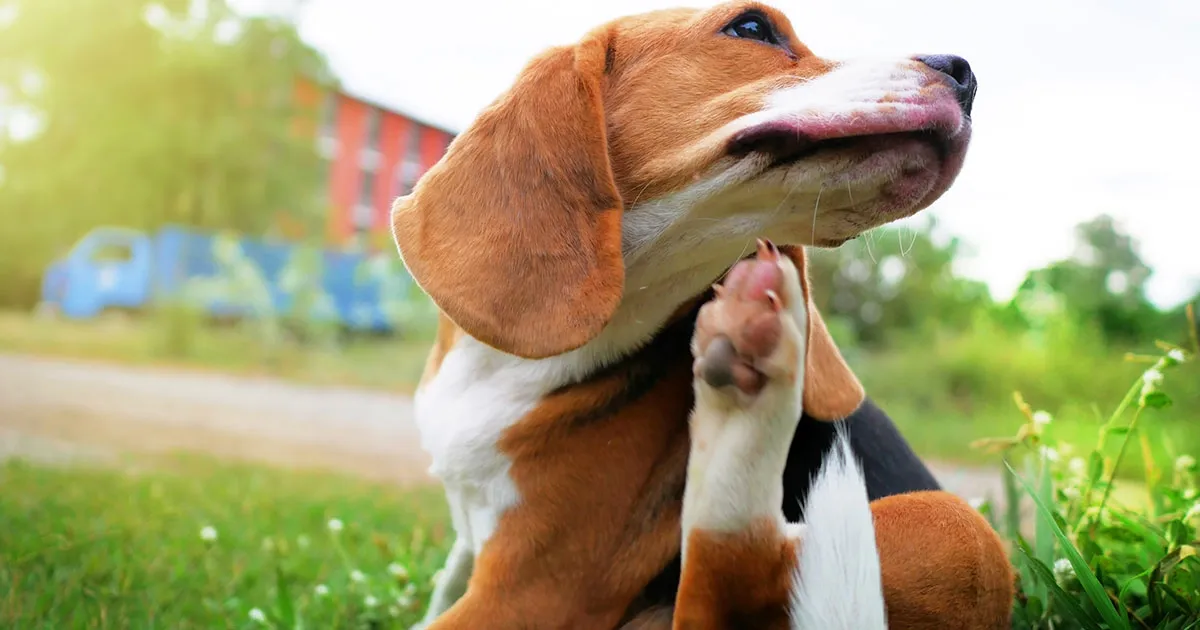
(961, 78)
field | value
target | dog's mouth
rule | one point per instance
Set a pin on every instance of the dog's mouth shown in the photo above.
(789, 147)
(909, 156)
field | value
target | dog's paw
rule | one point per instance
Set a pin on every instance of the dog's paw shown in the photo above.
(749, 334)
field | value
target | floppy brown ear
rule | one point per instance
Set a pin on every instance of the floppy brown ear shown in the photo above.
(831, 390)
(516, 232)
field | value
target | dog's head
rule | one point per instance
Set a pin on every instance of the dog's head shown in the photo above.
(620, 176)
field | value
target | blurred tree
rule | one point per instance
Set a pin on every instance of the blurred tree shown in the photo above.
(913, 289)
(140, 113)
(1103, 284)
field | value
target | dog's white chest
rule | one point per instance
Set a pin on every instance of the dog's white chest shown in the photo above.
(477, 394)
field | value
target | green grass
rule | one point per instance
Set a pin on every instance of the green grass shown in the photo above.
(1095, 558)
(377, 363)
(943, 393)
(121, 548)
(948, 391)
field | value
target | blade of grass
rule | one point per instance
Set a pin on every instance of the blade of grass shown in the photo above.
(1095, 591)
(1012, 501)
(1043, 538)
(1081, 616)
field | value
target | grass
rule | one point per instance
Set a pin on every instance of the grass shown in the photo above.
(122, 548)
(126, 547)
(942, 394)
(947, 391)
(377, 363)
(1096, 559)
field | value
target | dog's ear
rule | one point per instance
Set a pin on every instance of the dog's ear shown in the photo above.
(831, 390)
(516, 232)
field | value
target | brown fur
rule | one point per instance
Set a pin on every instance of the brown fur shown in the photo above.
(472, 225)
(943, 566)
(742, 580)
(600, 467)
(536, 270)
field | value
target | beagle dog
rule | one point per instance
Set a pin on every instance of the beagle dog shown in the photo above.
(623, 445)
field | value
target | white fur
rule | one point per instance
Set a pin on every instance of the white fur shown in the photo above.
(838, 585)
(452, 582)
(674, 248)
(854, 88)
(739, 446)
(738, 453)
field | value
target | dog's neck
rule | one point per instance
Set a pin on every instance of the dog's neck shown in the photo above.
(674, 249)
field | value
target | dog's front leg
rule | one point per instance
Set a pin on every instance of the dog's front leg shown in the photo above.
(452, 583)
(739, 554)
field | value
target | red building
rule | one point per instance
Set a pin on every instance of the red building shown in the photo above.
(373, 155)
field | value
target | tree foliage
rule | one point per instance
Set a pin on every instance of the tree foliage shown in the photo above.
(1103, 283)
(902, 282)
(148, 113)
(878, 289)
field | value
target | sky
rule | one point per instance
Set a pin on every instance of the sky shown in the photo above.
(1083, 107)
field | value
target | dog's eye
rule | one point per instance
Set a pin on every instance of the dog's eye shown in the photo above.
(751, 26)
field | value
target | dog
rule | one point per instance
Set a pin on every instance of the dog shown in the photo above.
(570, 237)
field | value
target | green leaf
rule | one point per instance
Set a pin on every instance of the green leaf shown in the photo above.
(1096, 593)
(1156, 400)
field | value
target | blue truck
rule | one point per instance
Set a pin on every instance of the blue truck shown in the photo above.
(114, 268)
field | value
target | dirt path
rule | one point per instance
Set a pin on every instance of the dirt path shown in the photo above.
(56, 411)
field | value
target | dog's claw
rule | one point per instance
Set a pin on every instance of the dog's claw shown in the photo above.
(767, 250)
(776, 301)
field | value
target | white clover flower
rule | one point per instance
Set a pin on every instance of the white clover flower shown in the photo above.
(976, 502)
(257, 615)
(393, 611)
(321, 590)
(404, 601)
(208, 533)
(1185, 463)
(1049, 453)
(1042, 418)
(1071, 492)
(1151, 379)
(398, 571)
(370, 602)
(1077, 466)
(410, 589)
(357, 576)
(335, 525)
(1063, 569)
(1176, 355)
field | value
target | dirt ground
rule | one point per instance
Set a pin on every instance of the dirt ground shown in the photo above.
(58, 411)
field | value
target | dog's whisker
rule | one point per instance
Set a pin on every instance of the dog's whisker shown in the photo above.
(816, 209)
(904, 252)
(870, 238)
